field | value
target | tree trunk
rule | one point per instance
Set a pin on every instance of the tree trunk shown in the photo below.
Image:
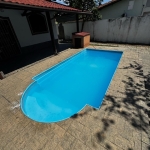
(82, 25)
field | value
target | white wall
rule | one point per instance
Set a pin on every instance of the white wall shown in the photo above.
(117, 9)
(122, 30)
(22, 29)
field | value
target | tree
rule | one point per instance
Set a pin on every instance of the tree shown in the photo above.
(87, 5)
(98, 2)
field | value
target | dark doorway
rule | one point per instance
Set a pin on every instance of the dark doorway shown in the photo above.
(9, 46)
(77, 42)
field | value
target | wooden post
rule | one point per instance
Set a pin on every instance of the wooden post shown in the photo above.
(51, 31)
(77, 22)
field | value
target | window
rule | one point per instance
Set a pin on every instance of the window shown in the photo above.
(37, 23)
(131, 4)
(148, 3)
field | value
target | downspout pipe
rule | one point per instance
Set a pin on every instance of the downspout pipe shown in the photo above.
(142, 10)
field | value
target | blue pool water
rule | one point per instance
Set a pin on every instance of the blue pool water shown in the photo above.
(63, 90)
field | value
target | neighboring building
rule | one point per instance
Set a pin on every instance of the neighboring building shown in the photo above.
(26, 25)
(122, 8)
(146, 7)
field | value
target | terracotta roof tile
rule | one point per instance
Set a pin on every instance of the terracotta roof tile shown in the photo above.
(42, 3)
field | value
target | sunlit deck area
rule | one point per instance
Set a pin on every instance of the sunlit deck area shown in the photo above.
(122, 122)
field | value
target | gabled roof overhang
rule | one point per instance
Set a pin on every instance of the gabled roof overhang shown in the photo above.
(14, 5)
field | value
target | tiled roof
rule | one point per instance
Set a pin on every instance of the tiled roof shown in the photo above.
(107, 4)
(41, 3)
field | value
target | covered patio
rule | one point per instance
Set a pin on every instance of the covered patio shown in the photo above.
(22, 41)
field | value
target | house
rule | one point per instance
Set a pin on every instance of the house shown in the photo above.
(146, 7)
(122, 8)
(29, 24)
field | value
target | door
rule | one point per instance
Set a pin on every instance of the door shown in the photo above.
(9, 46)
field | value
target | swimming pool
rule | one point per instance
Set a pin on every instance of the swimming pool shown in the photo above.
(65, 89)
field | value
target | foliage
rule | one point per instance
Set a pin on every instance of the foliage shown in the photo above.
(87, 5)
(98, 2)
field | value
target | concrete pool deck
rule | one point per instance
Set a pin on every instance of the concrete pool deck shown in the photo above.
(122, 122)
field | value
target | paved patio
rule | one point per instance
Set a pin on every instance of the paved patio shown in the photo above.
(122, 122)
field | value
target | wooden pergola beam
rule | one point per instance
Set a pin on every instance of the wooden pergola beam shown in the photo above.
(77, 22)
(51, 32)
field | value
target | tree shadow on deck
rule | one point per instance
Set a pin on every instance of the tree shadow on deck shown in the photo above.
(131, 102)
